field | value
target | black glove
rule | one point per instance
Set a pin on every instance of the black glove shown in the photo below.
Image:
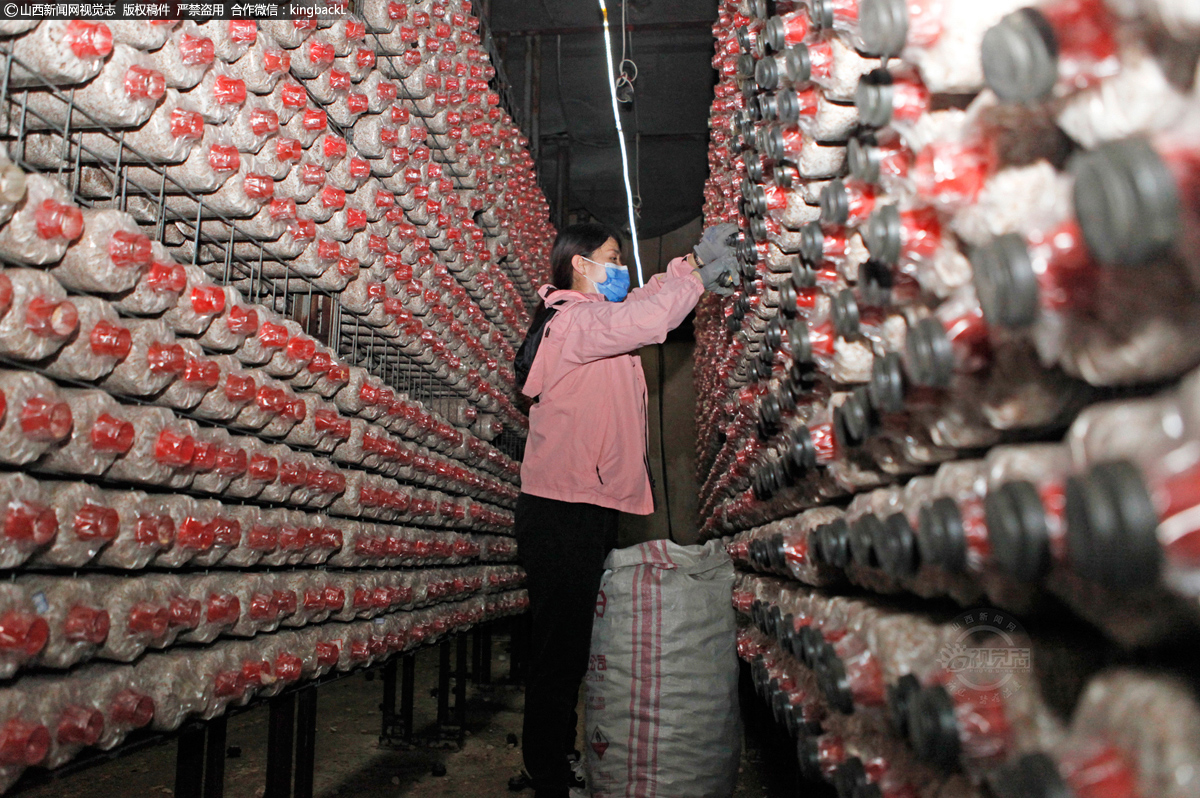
(721, 276)
(717, 242)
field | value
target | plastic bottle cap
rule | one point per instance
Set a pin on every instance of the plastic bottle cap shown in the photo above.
(883, 26)
(26, 521)
(258, 187)
(173, 450)
(287, 150)
(1127, 201)
(339, 80)
(241, 320)
(165, 277)
(45, 420)
(88, 40)
(333, 197)
(1005, 281)
(328, 653)
(261, 607)
(144, 84)
(243, 31)
(293, 95)
(359, 168)
(126, 249)
(282, 209)
(204, 457)
(229, 91)
(320, 54)
(1020, 57)
(86, 625)
(165, 358)
(22, 743)
(873, 98)
(226, 531)
(154, 530)
(58, 220)
(284, 601)
(930, 354)
(263, 468)
(358, 104)
(334, 147)
(223, 608)
(895, 547)
(262, 538)
(202, 373)
(272, 336)
(78, 725)
(279, 62)
(941, 537)
(131, 708)
(186, 125)
(47, 317)
(1112, 527)
(933, 728)
(229, 684)
(195, 50)
(109, 340)
(356, 219)
(240, 388)
(195, 534)
(23, 632)
(94, 522)
(263, 121)
(147, 619)
(329, 250)
(302, 230)
(1017, 531)
(6, 294)
(288, 667)
(222, 158)
(314, 119)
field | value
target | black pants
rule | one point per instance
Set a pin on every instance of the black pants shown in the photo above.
(562, 546)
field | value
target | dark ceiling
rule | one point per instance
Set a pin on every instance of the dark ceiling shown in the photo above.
(671, 43)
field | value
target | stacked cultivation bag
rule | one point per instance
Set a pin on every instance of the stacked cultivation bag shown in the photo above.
(198, 393)
(963, 225)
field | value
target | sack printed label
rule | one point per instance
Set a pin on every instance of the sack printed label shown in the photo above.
(599, 743)
(596, 663)
(596, 702)
(601, 604)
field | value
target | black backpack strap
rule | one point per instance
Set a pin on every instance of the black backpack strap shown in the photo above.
(529, 347)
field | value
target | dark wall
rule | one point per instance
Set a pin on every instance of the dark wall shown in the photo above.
(666, 126)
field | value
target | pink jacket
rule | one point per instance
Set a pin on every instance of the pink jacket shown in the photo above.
(587, 431)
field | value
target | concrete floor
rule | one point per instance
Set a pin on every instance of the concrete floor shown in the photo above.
(350, 761)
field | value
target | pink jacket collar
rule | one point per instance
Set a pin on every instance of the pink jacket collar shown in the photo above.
(566, 296)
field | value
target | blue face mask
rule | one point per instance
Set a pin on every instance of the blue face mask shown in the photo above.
(615, 286)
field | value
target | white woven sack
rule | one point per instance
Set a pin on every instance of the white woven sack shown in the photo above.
(662, 712)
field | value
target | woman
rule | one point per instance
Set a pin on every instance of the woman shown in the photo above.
(585, 459)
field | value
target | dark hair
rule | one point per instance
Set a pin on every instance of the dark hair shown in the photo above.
(578, 239)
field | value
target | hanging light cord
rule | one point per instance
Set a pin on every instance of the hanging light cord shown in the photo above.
(612, 87)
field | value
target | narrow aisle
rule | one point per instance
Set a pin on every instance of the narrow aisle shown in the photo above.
(351, 762)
